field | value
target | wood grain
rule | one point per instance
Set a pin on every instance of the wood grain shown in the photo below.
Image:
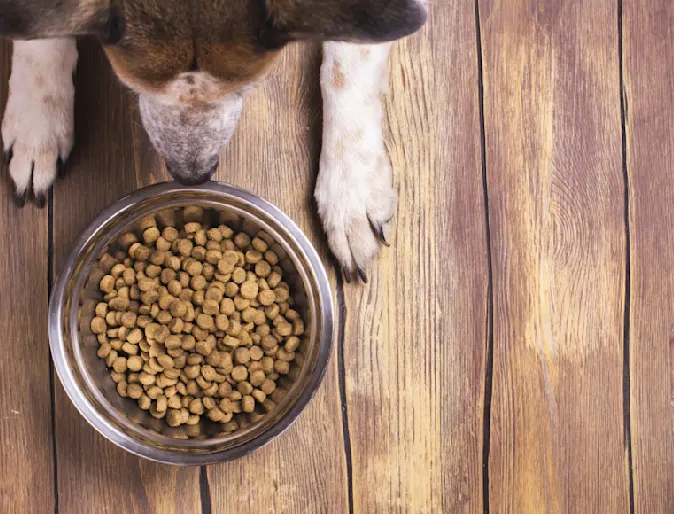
(415, 340)
(27, 471)
(648, 50)
(275, 153)
(93, 474)
(553, 152)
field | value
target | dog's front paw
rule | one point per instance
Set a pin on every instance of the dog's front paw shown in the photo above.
(356, 201)
(37, 128)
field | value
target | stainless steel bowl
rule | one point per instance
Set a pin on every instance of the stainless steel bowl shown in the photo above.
(88, 383)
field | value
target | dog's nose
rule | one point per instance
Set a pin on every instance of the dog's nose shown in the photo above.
(192, 178)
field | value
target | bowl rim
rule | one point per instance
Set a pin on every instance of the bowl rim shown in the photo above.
(80, 400)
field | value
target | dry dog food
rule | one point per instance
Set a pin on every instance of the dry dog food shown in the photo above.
(197, 321)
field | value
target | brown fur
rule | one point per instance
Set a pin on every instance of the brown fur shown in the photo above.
(151, 42)
(191, 61)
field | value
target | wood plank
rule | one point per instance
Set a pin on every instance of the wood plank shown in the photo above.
(556, 191)
(93, 474)
(274, 153)
(415, 341)
(648, 53)
(27, 471)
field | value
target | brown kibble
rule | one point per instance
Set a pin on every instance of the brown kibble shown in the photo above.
(134, 391)
(178, 309)
(227, 306)
(249, 290)
(184, 247)
(284, 328)
(292, 344)
(239, 373)
(204, 347)
(190, 311)
(242, 240)
(119, 365)
(221, 322)
(259, 244)
(205, 322)
(107, 284)
(170, 234)
(165, 361)
(256, 353)
(119, 304)
(174, 417)
(211, 307)
(239, 275)
(196, 406)
(268, 386)
(266, 298)
(281, 367)
(242, 355)
(248, 404)
(134, 363)
(198, 282)
(144, 402)
(98, 325)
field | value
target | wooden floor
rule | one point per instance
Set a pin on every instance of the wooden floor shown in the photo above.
(514, 349)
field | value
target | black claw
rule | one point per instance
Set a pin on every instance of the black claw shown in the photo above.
(362, 273)
(40, 200)
(19, 199)
(378, 229)
(8, 156)
(347, 274)
(60, 168)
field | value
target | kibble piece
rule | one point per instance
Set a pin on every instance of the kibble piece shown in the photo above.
(196, 406)
(98, 325)
(119, 304)
(104, 350)
(266, 298)
(144, 402)
(239, 275)
(242, 355)
(198, 283)
(107, 284)
(174, 417)
(204, 347)
(170, 234)
(165, 361)
(134, 391)
(249, 290)
(239, 373)
(184, 247)
(119, 365)
(205, 322)
(244, 388)
(193, 213)
(134, 363)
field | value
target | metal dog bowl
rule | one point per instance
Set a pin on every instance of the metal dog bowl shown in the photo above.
(84, 375)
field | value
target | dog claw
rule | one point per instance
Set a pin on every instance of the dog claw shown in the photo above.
(40, 201)
(19, 199)
(378, 229)
(60, 168)
(362, 273)
(347, 274)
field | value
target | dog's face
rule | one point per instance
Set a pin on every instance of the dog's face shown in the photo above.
(190, 61)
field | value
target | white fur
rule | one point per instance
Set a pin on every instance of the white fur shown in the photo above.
(38, 120)
(354, 189)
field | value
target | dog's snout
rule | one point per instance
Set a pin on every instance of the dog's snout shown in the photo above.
(191, 177)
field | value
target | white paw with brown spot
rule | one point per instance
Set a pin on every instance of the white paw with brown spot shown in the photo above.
(37, 127)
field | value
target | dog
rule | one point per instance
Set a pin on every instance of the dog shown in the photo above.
(191, 62)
